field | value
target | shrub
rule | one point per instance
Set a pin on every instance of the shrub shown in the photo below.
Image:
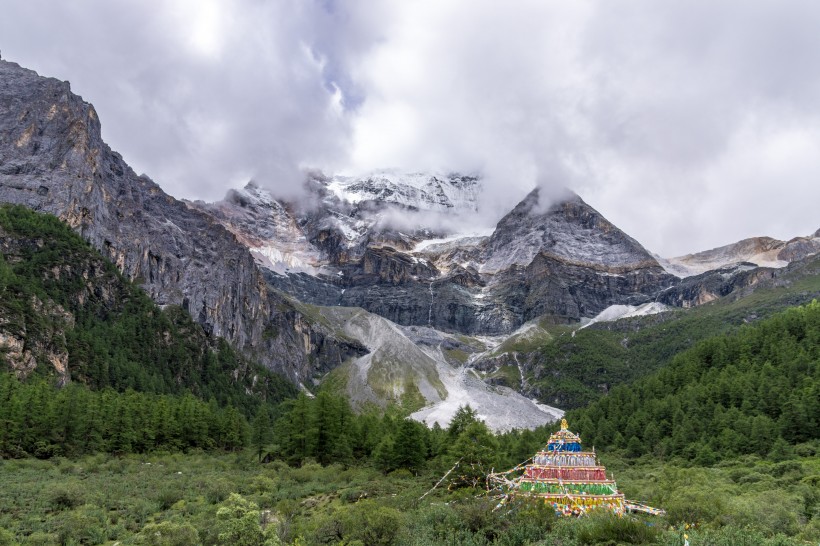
(793, 468)
(217, 490)
(607, 528)
(168, 533)
(6, 538)
(531, 522)
(478, 517)
(738, 536)
(39, 538)
(372, 524)
(238, 522)
(65, 496)
(439, 522)
(168, 496)
(85, 525)
(691, 506)
(753, 477)
(352, 495)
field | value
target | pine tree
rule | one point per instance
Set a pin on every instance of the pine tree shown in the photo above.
(261, 433)
(476, 448)
(463, 418)
(384, 454)
(294, 428)
(409, 450)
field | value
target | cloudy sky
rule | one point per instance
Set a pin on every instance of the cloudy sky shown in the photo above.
(689, 124)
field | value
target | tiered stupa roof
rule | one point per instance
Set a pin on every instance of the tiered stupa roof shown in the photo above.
(567, 477)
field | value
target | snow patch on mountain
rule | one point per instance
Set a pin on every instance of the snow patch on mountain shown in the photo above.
(458, 240)
(281, 261)
(421, 191)
(267, 228)
(686, 266)
(617, 312)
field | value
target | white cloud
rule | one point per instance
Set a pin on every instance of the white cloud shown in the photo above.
(197, 94)
(689, 124)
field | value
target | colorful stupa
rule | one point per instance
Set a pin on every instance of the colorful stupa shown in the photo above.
(566, 477)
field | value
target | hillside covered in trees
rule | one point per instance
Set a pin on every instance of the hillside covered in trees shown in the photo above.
(68, 317)
(578, 367)
(756, 391)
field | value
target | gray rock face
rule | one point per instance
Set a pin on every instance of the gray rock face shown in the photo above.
(564, 259)
(567, 260)
(760, 251)
(799, 248)
(53, 159)
(709, 286)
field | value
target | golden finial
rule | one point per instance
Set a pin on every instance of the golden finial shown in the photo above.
(564, 424)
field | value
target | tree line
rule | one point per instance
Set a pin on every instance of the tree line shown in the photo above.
(325, 429)
(38, 419)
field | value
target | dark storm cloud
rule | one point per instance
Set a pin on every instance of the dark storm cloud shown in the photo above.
(688, 124)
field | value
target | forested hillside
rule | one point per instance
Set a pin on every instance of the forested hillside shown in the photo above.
(755, 391)
(67, 314)
(574, 369)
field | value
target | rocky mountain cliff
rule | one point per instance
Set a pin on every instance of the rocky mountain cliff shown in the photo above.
(67, 313)
(342, 246)
(561, 259)
(53, 159)
(426, 371)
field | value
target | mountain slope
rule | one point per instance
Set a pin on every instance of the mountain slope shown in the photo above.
(761, 251)
(52, 159)
(577, 366)
(564, 259)
(728, 395)
(425, 371)
(67, 312)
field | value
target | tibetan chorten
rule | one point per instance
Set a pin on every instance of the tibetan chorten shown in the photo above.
(566, 477)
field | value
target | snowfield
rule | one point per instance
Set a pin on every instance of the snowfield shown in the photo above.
(617, 312)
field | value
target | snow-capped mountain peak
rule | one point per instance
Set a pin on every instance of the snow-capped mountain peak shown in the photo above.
(416, 190)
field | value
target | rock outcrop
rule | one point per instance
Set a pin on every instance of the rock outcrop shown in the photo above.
(736, 281)
(760, 251)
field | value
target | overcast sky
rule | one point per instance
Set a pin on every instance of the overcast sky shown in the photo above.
(689, 124)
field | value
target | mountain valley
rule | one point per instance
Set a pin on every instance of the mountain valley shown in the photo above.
(375, 285)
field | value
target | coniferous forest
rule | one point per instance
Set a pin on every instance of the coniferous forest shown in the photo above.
(147, 437)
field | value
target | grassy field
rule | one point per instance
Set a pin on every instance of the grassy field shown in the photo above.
(200, 498)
